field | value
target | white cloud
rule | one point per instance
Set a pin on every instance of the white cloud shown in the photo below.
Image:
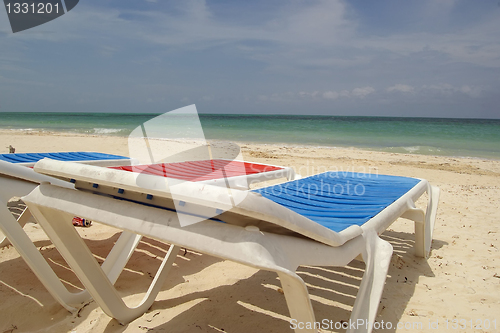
(321, 22)
(471, 91)
(344, 93)
(283, 97)
(305, 94)
(108, 50)
(474, 45)
(330, 95)
(362, 92)
(354, 93)
(402, 88)
(448, 89)
(317, 95)
(435, 8)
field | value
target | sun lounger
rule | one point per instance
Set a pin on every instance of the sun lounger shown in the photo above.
(18, 180)
(323, 220)
(29, 159)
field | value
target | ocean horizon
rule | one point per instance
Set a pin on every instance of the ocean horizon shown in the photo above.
(458, 137)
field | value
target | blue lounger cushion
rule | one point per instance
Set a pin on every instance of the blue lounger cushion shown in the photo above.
(61, 156)
(338, 200)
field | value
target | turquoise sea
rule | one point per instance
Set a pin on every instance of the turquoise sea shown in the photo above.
(429, 136)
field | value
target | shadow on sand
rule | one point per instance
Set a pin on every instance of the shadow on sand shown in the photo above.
(254, 304)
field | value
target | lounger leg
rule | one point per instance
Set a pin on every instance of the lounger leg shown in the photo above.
(24, 217)
(37, 262)
(417, 215)
(297, 299)
(22, 220)
(424, 229)
(120, 254)
(112, 266)
(377, 257)
(430, 216)
(4, 241)
(78, 256)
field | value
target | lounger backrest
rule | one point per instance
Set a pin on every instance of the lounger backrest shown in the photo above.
(20, 172)
(201, 170)
(29, 159)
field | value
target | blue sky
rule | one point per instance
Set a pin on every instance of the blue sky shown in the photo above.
(438, 58)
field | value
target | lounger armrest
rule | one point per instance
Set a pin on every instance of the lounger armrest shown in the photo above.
(27, 174)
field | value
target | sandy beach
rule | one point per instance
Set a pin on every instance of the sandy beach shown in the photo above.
(456, 289)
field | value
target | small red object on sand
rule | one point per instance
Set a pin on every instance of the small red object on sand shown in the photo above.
(80, 222)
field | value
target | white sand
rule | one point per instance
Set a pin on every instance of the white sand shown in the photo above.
(460, 280)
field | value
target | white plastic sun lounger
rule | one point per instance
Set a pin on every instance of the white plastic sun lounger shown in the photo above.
(303, 222)
(16, 180)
